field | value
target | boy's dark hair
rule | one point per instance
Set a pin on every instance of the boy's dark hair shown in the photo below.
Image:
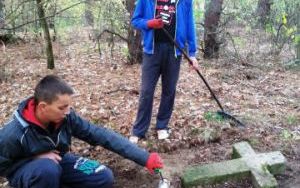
(49, 88)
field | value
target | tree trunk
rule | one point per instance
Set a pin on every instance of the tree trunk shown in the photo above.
(298, 35)
(134, 38)
(2, 18)
(44, 24)
(13, 21)
(213, 9)
(51, 21)
(263, 10)
(88, 14)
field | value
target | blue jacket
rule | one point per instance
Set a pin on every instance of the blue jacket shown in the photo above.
(20, 140)
(185, 26)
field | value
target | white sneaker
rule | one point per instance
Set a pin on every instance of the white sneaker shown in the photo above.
(134, 139)
(163, 134)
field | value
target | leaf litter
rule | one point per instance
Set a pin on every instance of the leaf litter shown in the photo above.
(265, 98)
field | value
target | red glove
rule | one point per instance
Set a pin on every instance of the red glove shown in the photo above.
(153, 162)
(155, 23)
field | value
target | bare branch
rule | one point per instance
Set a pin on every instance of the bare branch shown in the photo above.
(234, 47)
(3, 46)
(112, 32)
(32, 21)
(17, 7)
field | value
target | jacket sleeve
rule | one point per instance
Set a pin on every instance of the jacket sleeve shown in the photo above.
(5, 164)
(10, 155)
(139, 20)
(97, 135)
(191, 33)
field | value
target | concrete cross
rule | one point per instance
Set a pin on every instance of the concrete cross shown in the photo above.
(245, 163)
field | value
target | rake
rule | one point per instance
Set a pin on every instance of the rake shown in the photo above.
(221, 112)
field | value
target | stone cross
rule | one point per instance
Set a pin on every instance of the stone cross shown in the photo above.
(245, 163)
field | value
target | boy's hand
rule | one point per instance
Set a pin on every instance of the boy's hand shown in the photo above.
(195, 63)
(156, 23)
(53, 155)
(154, 162)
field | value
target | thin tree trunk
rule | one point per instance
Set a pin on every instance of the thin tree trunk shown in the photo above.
(298, 35)
(2, 14)
(44, 24)
(51, 21)
(36, 24)
(263, 10)
(24, 17)
(13, 23)
(213, 9)
(134, 39)
(88, 14)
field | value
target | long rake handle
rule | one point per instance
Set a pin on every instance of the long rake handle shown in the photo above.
(197, 70)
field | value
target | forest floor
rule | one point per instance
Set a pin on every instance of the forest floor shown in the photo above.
(260, 89)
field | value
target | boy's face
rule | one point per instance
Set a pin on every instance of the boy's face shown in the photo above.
(56, 111)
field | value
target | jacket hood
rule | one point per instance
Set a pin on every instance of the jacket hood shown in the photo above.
(26, 110)
(29, 113)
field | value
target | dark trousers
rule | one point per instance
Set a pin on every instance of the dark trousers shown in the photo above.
(72, 172)
(162, 63)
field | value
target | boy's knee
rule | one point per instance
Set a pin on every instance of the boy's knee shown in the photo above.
(147, 93)
(107, 178)
(48, 171)
(38, 173)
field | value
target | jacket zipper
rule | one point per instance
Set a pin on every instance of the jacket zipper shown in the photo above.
(48, 138)
(153, 46)
(57, 142)
(175, 52)
(175, 28)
